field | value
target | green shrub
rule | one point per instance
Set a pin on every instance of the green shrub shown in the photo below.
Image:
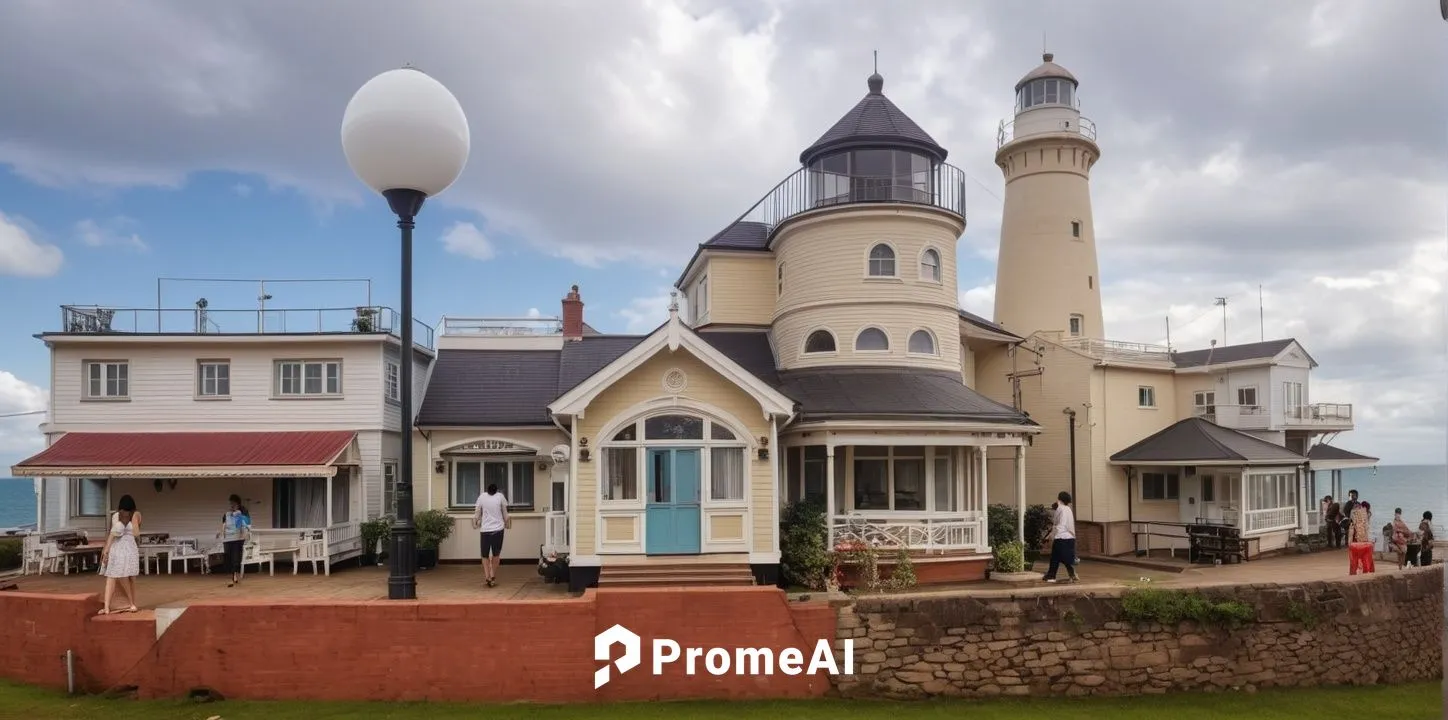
(376, 534)
(1169, 607)
(10, 552)
(902, 576)
(1010, 557)
(1039, 523)
(433, 527)
(804, 545)
(1002, 522)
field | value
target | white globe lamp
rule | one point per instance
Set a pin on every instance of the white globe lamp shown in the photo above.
(407, 138)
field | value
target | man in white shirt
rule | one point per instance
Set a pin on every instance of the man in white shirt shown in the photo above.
(1063, 544)
(490, 516)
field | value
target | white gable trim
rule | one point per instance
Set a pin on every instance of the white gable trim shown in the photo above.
(1282, 359)
(672, 336)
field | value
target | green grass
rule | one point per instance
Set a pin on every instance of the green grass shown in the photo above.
(1403, 702)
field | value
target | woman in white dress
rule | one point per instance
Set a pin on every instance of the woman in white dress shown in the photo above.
(121, 559)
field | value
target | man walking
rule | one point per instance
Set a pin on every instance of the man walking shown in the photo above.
(1332, 522)
(1063, 543)
(1346, 513)
(490, 517)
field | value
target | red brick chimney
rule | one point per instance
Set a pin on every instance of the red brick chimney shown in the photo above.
(573, 315)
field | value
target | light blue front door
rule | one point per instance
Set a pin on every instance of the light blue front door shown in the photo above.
(673, 517)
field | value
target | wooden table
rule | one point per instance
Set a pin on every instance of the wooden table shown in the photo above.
(80, 552)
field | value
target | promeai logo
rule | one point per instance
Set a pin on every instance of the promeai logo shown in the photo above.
(716, 660)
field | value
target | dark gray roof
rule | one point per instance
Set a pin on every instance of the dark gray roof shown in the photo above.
(515, 387)
(1196, 440)
(979, 321)
(1047, 69)
(874, 122)
(1232, 353)
(742, 235)
(875, 392)
(1323, 452)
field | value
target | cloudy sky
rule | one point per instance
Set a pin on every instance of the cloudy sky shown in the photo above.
(1295, 145)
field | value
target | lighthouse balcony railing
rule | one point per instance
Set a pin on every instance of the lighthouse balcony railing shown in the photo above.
(1082, 126)
(809, 189)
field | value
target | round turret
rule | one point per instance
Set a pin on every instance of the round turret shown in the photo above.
(1046, 103)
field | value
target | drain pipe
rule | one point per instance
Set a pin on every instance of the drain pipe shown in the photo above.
(70, 672)
(1071, 441)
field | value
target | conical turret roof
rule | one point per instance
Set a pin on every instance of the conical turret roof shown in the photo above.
(874, 122)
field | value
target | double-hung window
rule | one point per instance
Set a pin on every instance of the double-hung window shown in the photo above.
(308, 378)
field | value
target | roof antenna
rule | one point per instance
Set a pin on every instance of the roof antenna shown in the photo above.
(877, 62)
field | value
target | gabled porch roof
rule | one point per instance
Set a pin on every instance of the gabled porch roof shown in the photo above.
(1195, 441)
(190, 454)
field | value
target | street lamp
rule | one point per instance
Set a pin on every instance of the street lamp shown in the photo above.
(406, 137)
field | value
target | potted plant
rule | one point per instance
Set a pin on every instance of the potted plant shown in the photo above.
(433, 527)
(364, 322)
(375, 532)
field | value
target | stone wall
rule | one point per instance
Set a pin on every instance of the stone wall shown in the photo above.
(1381, 628)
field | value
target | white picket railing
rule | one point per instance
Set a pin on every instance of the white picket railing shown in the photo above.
(1283, 518)
(929, 532)
(555, 532)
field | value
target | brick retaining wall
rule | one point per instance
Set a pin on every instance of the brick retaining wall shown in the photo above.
(1381, 628)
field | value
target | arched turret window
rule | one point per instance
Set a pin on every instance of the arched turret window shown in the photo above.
(930, 265)
(820, 341)
(922, 343)
(882, 261)
(872, 340)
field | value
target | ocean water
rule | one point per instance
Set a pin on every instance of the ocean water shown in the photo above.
(17, 502)
(1414, 488)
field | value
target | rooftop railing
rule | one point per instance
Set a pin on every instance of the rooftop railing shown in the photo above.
(100, 320)
(808, 189)
(1083, 126)
(1119, 351)
(501, 326)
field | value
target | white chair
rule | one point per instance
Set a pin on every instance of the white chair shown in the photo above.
(312, 550)
(37, 554)
(255, 553)
(184, 553)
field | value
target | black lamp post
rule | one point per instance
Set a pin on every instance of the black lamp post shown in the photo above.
(406, 137)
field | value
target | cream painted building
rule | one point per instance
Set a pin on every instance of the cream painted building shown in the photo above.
(1149, 440)
(820, 356)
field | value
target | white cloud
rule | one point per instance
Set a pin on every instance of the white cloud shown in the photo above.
(465, 239)
(22, 255)
(242, 189)
(534, 312)
(643, 314)
(979, 300)
(19, 434)
(112, 233)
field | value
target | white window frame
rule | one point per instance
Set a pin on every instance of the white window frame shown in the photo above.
(1076, 230)
(931, 272)
(389, 488)
(1147, 393)
(835, 339)
(216, 368)
(865, 329)
(929, 336)
(1166, 494)
(1271, 492)
(870, 260)
(1076, 325)
(106, 380)
(1256, 397)
(1204, 398)
(640, 445)
(104, 486)
(508, 488)
(279, 378)
(779, 290)
(701, 302)
(392, 381)
(889, 455)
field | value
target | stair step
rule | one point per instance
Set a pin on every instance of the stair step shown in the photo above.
(677, 570)
(677, 575)
(676, 581)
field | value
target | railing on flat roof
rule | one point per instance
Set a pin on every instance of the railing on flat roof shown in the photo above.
(100, 320)
(810, 189)
(1119, 351)
(1007, 131)
(501, 326)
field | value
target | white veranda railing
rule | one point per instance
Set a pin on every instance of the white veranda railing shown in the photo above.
(1282, 518)
(556, 532)
(916, 531)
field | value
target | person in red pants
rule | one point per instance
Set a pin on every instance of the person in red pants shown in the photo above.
(1359, 542)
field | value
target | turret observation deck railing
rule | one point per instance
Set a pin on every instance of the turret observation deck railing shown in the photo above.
(501, 326)
(98, 320)
(1083, 126)
(809, 189)
(1115, 350)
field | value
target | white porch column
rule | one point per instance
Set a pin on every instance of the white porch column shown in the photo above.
(775, 502)
(829, 492)
(329, 501)
(1021, 493)
(981, 495)
(40, 484)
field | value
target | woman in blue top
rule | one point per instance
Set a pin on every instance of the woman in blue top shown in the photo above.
(235, 528)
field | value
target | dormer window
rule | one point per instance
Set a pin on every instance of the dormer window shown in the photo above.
(882, 261)
(930, 265)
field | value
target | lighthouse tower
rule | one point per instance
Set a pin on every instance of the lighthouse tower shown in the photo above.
(1046, 274)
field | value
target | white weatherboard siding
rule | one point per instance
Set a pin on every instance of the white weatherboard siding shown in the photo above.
(163, 388)
(392, 411)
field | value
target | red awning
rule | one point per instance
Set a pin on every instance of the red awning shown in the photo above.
(190, 454)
